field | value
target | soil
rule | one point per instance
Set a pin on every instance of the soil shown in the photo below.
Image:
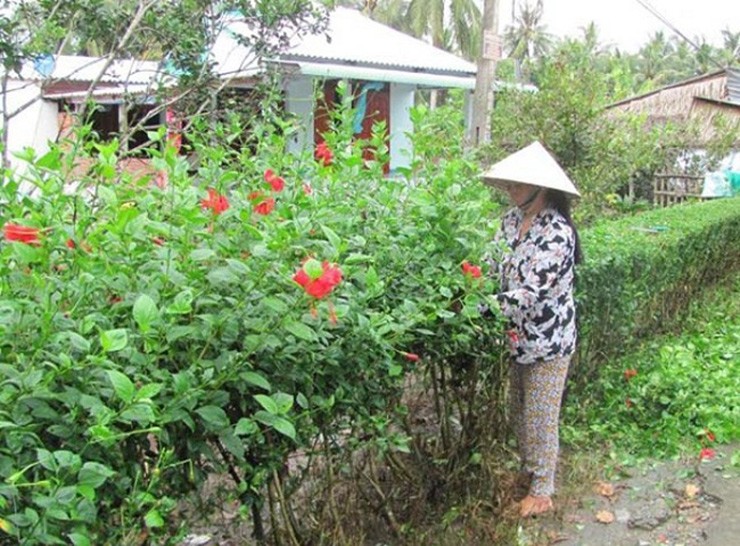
(675, 503)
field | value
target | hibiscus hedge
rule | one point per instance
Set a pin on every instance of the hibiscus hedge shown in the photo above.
(222, 317)
(157, 329)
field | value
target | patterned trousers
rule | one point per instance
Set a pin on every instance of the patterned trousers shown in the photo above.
(535, 394)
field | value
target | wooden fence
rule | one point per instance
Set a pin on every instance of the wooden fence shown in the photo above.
(670, 189)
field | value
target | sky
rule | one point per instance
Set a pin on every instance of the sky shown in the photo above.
(628, 25)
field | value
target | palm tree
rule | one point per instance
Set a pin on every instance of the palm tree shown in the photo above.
(652, 60)
(454, 25)
(391, 13)
(527, 39)
(731, 50)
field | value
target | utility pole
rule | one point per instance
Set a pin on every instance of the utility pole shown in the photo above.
(480, 128)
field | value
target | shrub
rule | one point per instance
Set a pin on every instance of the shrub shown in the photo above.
(158, 329)
(641, 272)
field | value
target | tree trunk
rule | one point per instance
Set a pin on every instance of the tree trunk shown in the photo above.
(480, 128)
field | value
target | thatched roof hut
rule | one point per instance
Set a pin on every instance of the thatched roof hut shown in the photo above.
(701, 100)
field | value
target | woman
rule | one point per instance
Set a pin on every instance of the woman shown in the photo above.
(539, 248)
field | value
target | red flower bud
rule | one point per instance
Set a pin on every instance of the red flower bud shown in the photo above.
(265, 207)
(21, 234)
(629, 373)
(215, 201)
(707, 453)
(473, 271)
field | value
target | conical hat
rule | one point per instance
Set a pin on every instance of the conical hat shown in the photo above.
(531, 165)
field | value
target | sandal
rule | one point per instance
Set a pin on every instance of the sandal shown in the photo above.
(533, 505)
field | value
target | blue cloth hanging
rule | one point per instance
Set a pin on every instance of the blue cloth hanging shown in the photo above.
(362, 104)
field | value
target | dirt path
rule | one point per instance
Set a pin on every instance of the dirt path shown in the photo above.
(676, 503)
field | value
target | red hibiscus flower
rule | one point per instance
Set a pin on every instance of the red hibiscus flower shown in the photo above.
(324, 154)
(71, 244)
(265, 206)
(276, 182)
(321, 286)
(413, 357)
(709, 435)
(707, 453)
(629, 373)
(21, 234)
(471, 270)
(215, 201)
(513, 336)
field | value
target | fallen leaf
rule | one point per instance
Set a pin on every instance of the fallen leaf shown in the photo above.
(605, 489)
(604, 516)
(691, 490)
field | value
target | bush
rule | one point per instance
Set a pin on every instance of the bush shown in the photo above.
(158, 329)
(641, 272)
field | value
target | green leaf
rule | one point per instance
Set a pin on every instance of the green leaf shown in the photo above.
(237, 266)
(78, 539)
(153, 519)
(221, 276)
(114, 340)
(283, 401)
(46, 459)
(267, 403)
(301, 331)
(148, 391)
(253, 378)
(78, 342)
(182, 304)
(141, 413)
(371, 277)
(275, 304)
(93, 474)
(67, 459)
(213, 417)
(281, 424)
(123, 386)
(50, 160)
(245, 427)
(202, 254)
(145, 312)
(332, 237)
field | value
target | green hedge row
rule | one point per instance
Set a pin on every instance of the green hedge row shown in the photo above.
(640, 273)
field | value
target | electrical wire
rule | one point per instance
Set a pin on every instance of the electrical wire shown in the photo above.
(645, 4)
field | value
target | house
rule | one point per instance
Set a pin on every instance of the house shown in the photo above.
(701, 100)
(382, 66)
(40, 99)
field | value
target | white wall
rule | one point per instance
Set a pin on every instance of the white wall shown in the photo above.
(33, 127)
(299, 101)
(402, 100)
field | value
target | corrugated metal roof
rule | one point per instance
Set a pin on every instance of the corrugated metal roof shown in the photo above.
(376, 74)
(86, 69)
(357, 39)
(733, 85)
(351, 39)
(112, 93)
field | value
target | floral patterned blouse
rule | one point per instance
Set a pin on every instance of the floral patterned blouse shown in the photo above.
(537, 285)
